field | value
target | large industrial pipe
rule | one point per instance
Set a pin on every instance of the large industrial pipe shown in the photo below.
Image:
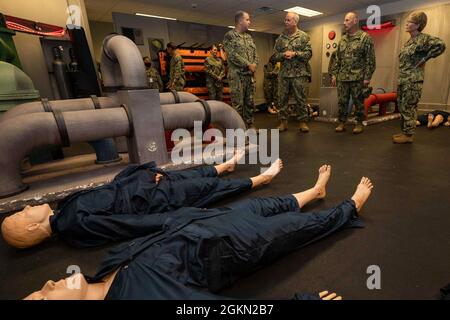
(23, 133)
(59, 105)
(183, 115)
(88, 104)
(122, 64)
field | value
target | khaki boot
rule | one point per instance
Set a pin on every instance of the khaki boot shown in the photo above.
(340, 127)
(403, 138)
(303, 127)
(358, 128)
(283, 125)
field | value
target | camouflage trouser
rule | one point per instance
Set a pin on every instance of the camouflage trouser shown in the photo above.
(408, 96)
(299, 88)
(355, 89)
(242, 90)
(271, 91)
(215, 89)
(179, 84)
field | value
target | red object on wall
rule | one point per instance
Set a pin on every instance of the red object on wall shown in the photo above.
(331, 35)
(384, 26)
(32, 27)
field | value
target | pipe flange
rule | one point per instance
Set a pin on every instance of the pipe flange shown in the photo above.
(61, 124)
(176, 96)
(130, 121)
(207, 108)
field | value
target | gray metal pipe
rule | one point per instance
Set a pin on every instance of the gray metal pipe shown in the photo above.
(23, 133)
(59, 105)
(183, 115)
(87, 104)
(122, 64)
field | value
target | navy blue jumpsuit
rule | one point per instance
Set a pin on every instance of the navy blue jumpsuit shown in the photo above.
(196, 252)
(115, 211)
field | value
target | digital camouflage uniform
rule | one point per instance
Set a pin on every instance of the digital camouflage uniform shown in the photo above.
(215, 72)
(271, 71)
(355, 62)
(177, 76)
(241, 51)
(295, 74)
(154, 79)
(414, 53)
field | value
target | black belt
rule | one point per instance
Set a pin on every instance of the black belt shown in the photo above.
(207, 120)
(96, 101)
(65, 141)
(60, 123)
(130, 120)
(176, 96)
(46, 105)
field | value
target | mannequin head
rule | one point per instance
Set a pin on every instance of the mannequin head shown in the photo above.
(73, 288)
(28, 227)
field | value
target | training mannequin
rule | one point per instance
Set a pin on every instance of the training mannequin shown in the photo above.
(117, 211)
(434, 119)
(197, 252)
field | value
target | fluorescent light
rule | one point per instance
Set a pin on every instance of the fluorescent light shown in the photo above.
(232, 27)
(152, 16)
(304, 12)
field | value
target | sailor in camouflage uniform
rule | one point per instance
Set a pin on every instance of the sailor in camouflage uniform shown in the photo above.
(271, 70)
(242, 62)
(415, 53)
(293, 50)
(352, 70)
(154, 79)
(215, 72)
(177, 79)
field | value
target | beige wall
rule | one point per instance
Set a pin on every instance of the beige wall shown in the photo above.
(28, 46)
(316, 64)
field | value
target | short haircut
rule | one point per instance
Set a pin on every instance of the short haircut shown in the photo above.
(238, 16)
(354, 14)
(295, 15)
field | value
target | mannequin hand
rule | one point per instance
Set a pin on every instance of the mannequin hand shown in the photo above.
(158, 178)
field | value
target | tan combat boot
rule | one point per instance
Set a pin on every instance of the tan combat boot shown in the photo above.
(303, 127)
(358, 128)
(340, 127)
(403, 138)
(283, 125)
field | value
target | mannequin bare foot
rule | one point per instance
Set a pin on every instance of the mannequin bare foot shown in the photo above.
(274, 169)
(325, 295)
(362, 193)
(322, 180)
(231, 164)
(430, 121)
(447, 124)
